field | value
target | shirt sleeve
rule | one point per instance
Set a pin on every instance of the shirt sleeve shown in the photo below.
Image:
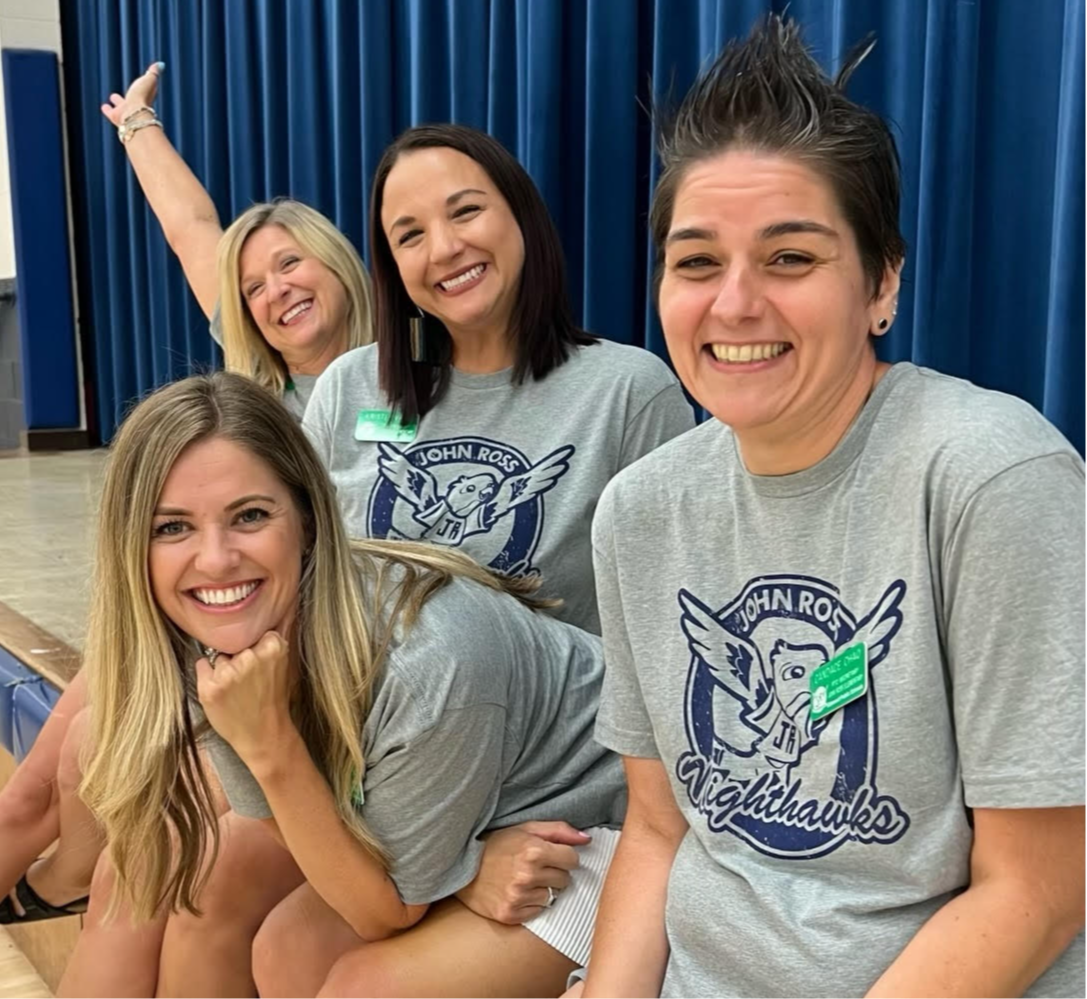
(622, 722)
(319, 416)
(668, 414)
(215, 324)
(1014, 610)
(428, 797)
(239, 785)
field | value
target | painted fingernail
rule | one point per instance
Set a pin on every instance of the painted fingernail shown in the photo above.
(160, 66)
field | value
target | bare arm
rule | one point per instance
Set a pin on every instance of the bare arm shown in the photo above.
(630, 949)
(1024, 906)
(247, 701)
(180, 203)
(339, 869)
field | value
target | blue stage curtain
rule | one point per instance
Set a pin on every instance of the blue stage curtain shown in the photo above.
(285, 97)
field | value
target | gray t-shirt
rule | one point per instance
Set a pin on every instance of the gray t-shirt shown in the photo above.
(508, 473)
(297, 391)
(946, 531)
(482, 718)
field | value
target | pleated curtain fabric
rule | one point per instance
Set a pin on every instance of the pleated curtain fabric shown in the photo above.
(299, 97)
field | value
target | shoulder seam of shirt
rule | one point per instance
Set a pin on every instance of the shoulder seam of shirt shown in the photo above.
(431, 731)
(649, 402)
(393, 656)
(1004, 471)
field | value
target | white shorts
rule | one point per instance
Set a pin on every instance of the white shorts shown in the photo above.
(568, 924)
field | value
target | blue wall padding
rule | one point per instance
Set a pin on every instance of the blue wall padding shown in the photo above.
(25, 702)
(30, 707)
(40, 215)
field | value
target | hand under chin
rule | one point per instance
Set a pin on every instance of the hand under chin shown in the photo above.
(229, 642)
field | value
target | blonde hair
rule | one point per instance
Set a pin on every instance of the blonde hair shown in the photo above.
(143, 778)
(245, 349)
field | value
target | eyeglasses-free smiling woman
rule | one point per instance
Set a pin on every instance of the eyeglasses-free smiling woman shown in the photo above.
(375, 708)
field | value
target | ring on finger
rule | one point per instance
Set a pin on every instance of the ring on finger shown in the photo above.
(551, 896)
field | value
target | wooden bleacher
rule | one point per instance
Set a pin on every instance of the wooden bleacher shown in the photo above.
(17, 976)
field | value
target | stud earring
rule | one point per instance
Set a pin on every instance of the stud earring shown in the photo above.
(883, 324)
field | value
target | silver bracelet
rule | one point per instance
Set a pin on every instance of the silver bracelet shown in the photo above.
(140, 110)
(126, 131)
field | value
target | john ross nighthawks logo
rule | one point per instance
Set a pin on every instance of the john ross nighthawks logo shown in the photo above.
(466, 491)
(757, 765)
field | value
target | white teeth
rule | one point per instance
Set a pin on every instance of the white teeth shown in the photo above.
(231, 595)
(734, 354)
(296, 310)
(461, 278)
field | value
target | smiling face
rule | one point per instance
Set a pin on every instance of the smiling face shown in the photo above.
(457, 246)
(297, 303)
(226, 547)
(763, 298)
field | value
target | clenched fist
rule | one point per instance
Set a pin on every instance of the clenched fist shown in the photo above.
(247, 697)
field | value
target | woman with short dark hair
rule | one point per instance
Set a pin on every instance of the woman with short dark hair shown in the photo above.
(842, 620)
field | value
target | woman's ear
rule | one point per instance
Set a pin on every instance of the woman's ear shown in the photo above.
(884, 306)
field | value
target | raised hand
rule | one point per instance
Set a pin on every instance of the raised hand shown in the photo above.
(141, 93)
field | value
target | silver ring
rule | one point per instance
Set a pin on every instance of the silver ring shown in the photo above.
(212, 655)
(551, 896)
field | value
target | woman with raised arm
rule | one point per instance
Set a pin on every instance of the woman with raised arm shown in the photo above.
(285, 291)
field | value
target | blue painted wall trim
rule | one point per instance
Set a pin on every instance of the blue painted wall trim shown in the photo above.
(40, 216)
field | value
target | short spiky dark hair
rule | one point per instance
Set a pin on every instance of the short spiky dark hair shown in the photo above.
(769, 95)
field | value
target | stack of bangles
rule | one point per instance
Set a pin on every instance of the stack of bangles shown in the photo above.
(142, 117)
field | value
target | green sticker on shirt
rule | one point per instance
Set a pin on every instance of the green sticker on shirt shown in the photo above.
(383, 425)
(836, 683)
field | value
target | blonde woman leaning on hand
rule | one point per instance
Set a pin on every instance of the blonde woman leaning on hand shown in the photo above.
(375, 708)
(287, 296)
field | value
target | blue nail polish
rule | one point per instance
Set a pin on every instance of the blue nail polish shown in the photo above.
(160, 66)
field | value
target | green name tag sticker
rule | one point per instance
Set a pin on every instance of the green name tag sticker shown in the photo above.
(383, 425)
(836, 683)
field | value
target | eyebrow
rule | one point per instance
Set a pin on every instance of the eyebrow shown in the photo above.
(449, 202)
(795, 226)
(174, 511)
(770, 232)
(690, 232)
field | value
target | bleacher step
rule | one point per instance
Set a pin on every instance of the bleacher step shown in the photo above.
(17, 974)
